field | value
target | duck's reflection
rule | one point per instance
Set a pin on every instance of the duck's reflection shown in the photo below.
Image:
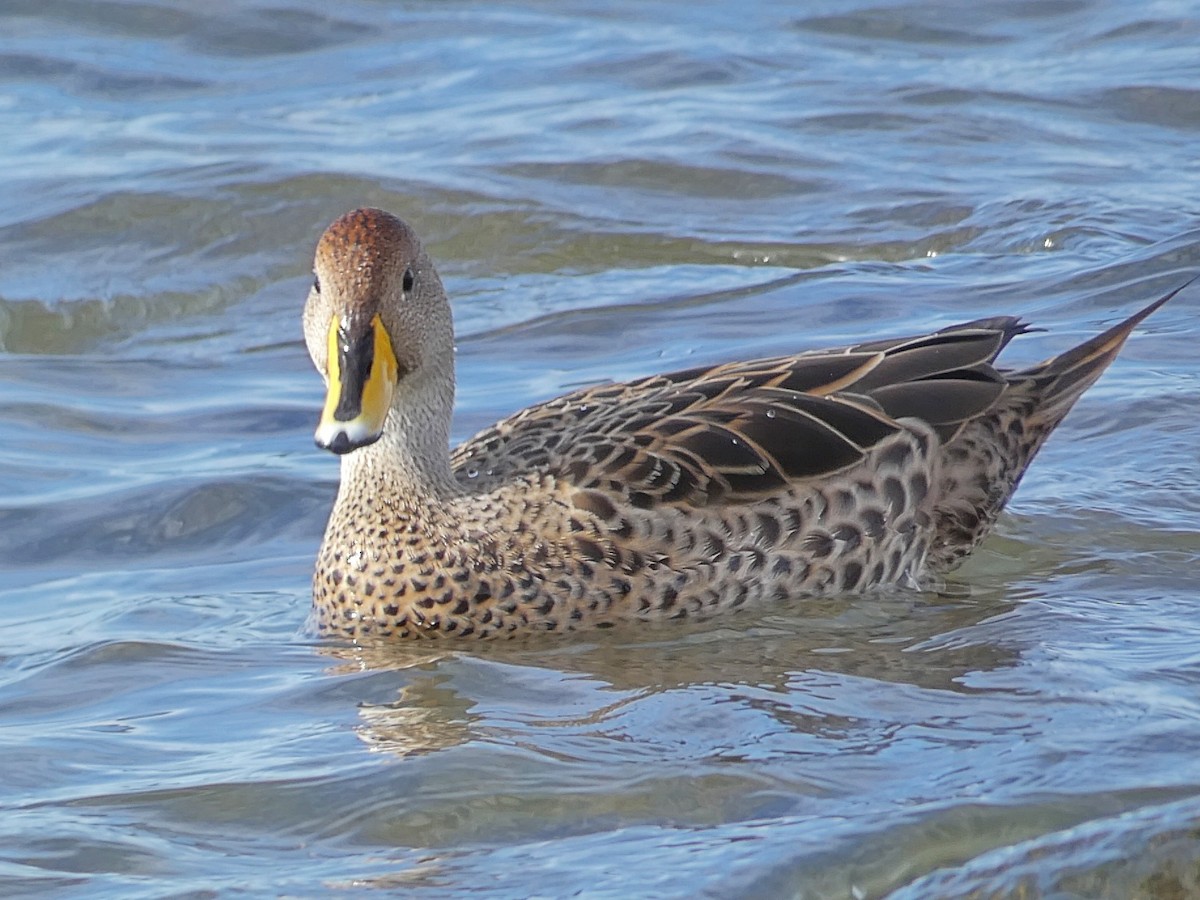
(795, 664)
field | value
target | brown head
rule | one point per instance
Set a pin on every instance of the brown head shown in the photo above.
(378, 328)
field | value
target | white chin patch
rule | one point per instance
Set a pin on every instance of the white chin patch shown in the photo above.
(342, 437)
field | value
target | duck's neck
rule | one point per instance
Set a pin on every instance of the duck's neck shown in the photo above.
(410, 463)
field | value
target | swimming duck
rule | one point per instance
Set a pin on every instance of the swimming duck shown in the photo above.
(677, 495)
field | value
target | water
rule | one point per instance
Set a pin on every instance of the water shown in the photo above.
(608, 192)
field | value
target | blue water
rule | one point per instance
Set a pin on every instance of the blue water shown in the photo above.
(608, 192)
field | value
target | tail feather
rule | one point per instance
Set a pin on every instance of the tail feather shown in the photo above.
(1061, 379)
(983, 464)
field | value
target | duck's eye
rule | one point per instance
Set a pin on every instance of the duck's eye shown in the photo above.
(317, 283)
(408, 280)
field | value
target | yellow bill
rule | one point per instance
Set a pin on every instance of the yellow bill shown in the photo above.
(362, 372)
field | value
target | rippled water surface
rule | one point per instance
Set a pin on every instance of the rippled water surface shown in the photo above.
(609, 190)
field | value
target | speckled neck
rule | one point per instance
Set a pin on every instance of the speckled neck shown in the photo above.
(410, 463)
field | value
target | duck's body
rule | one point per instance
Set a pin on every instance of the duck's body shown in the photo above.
(677, 495)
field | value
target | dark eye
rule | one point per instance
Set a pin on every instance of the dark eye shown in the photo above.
(317, 283)
(408, 280)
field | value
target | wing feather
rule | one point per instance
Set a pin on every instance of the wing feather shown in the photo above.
(730, 432)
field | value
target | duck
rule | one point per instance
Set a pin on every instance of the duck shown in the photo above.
(675, 496)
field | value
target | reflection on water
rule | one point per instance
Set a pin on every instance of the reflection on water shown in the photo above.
(608, 193)
(765, 662)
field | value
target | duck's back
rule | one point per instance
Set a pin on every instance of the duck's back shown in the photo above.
(737, 431)
(714, 487)
(846, 455)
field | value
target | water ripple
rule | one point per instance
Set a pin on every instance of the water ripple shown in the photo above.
(608, 192)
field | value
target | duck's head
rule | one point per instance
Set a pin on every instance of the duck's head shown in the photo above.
(377, 324)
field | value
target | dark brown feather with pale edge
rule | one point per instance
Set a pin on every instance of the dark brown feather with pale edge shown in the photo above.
(730, 432)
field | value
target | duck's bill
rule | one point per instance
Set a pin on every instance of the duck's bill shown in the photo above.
(362, 375)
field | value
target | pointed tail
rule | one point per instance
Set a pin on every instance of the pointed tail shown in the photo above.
(1059, 381)
(983, 464)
